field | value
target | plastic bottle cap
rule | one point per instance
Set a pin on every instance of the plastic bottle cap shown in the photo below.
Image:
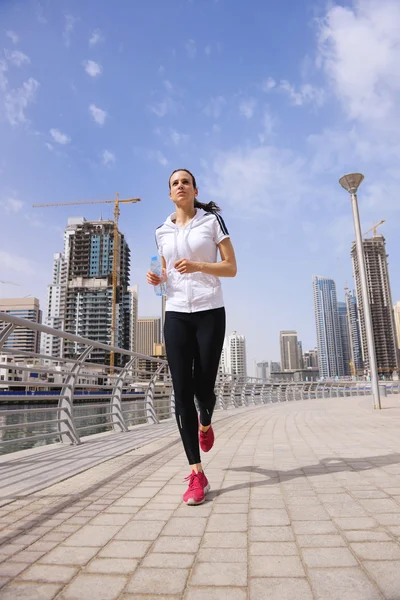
(154, 258)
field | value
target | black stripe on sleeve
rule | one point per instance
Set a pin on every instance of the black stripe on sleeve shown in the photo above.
(222, 224)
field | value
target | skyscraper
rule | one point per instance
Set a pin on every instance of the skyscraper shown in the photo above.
(134, 302)
(289, 351)
(148, 334)
(55, 313)
(345, 337)
(22, 339)
(380, 300)
(80, 296)
(330, 354)
(263, 370)
(396, 310)
(354, 331)
(235, 355)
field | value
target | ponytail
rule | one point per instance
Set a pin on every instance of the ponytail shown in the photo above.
(210, 207)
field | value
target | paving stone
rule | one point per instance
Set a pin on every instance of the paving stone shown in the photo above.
(231, 555)
(100, 587)
(388, 519)
(12, 569)
(125, 549)
(140, 530)
(29, 591)
(311, 527)
(275, 566)
(225, 540)
(49, 573)
(168, 561)
(342, 584)
(273, 549)
(280, 589)
(27, 556)
(356, 523)
(273, 517)
(230, 523)
(92, 535)
(112, 565)
(271, 534)
(177, 544)
(377, 550)
(219, 574)
(158, 581)
(387, 576)
(215, 593)
(320, 541)
(67, 555)
(381, 506)
(185, 526)
(153, 515)
(111, 519)
(369, 535)
(328, 557)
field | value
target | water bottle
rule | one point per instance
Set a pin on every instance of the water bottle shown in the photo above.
(156, 268)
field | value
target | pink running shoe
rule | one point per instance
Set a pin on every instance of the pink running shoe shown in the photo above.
(198, 488)
(206, 439)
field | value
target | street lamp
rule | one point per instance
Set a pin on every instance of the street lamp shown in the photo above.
(351, 183)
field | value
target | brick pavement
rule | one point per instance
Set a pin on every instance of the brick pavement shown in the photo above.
(305, 504)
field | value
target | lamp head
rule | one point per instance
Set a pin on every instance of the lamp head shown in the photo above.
(351, 182)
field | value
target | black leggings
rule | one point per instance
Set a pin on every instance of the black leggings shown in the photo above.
(194, 343)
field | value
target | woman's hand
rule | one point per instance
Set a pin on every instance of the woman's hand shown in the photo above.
(186, 266)
(154, 279)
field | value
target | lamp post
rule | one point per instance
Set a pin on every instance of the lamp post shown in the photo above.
(351, 183)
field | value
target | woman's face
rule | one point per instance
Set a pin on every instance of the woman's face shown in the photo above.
(182, 192)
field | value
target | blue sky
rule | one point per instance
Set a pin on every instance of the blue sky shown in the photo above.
(267, 103)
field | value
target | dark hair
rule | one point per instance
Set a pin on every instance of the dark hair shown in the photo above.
(210, 206)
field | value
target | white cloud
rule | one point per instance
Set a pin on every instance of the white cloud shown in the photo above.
(98, 114)
(3, 78)
(92, 68)
(164, 107)
(12, 205)
(359, 50)
(96, 38)
(19, 264)
(178, 138)
(305, 94)
(59, 137)
(108, 158)
(13, 36)
(168, 85)
(268, 123)
(16, 57)
(49, 146)
(68, 29)
(247, 108)
(17, 100)
(214, 107)
(269, 84)
(161, 159)
(191, 49)
(208, 50)
(263, 179)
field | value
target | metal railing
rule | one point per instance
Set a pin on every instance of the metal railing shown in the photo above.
(60, 399)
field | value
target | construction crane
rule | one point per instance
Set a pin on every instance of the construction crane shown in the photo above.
(117, 201)
(374, 227)
(10, 283)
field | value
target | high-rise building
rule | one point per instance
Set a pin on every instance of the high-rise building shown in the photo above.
(55, 313)
(134, 302)
(235, 355)
(275, 367)
(345, 337)
(380, 300)
(356, 360)
(148, 334)
(82, 283)
(289, 351)
(330, 354)
(22, 339)
(300, 354)
(263, 370)
(396, 310)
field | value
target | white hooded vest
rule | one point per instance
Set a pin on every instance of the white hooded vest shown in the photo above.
(197, 241)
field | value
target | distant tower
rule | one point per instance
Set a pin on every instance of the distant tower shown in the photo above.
(289, 351)
(134, 302)
(354, 331)
(345, 337)
(381, 304)
(330, 354)
(236, 354)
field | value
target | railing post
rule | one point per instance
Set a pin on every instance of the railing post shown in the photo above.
(149, 398)
(66, 427)
(117, 417)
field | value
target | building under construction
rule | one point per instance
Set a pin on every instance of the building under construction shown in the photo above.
(380, 300)
(87, 312)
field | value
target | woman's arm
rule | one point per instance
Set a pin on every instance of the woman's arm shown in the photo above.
(225, 268)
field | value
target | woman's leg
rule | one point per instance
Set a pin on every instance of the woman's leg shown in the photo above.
(210, 336)
(180, 342)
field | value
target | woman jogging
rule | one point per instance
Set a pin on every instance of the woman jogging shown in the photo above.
(194, 328)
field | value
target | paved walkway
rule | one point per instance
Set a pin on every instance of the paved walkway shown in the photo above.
(305, 505)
